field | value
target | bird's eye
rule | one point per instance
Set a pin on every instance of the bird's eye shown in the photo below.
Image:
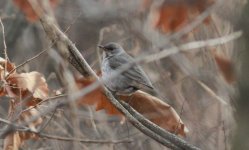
(110, 48)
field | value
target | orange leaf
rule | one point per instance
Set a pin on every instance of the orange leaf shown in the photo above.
(151, 107)
(27, 9)
(174, 15)
(96, 98)
(171, 17)
(226, 68)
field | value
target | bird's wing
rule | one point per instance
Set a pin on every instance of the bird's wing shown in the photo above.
(135, 73)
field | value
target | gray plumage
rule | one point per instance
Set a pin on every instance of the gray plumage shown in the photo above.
(129, 81)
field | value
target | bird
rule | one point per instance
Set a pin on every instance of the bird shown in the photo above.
(130, 80)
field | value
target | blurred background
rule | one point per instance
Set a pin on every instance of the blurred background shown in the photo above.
(207, 87)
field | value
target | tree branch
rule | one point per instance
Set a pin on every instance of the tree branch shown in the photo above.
(16, 127)
(47, 136)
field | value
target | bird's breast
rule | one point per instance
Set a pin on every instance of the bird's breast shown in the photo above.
(105, 66)
(114, 84)
(106, 69)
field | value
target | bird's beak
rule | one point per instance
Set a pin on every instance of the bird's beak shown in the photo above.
(101, 47)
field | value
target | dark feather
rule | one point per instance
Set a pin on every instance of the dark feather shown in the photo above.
(135, 73)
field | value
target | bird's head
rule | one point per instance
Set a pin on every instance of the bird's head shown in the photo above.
(111, 48)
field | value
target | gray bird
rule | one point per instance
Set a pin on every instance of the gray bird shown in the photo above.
(130, 80)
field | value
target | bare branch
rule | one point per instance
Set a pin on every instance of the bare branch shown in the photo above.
(72, 55)
(16, 127)
(211, 92)
(190, 46)
(45, 100)
(47, 136)
(5, 47)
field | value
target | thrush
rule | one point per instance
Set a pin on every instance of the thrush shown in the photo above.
(130, 80)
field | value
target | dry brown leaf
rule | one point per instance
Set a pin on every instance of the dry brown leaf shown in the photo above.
(30, 86)
(3, 73)
(34, 82)
(10, 67)
(22, 86)
(226, 68)
(156, 111)
(151, 107)
(12, 141)
(25, 117)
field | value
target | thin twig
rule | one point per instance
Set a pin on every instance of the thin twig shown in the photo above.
(45, 125)
(5, 48)
(92, 120)
(73, 22)
(190, 46)
(180, 114)
(6, 17)
(4, 42)
(11, 127)
(101, 35)
(6, 122)
(27, 61)
(84, 140)
(50, 98)
(224, 132)
(43, 51)
(17, 127)
(211, 92)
